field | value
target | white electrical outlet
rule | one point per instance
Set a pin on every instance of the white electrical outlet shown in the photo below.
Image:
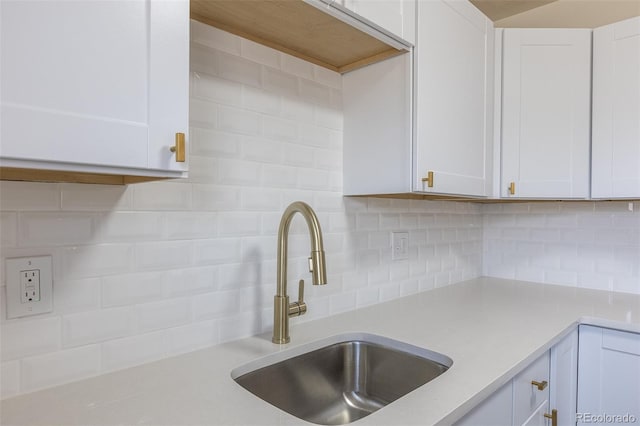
(399, 245)
(29, 286)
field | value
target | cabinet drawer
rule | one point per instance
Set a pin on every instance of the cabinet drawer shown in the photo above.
(526, 396)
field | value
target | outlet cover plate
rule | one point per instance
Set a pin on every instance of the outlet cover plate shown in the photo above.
(15, 306)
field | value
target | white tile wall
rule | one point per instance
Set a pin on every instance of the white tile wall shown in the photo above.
(156, 269)
(582, 244)
(152, 270)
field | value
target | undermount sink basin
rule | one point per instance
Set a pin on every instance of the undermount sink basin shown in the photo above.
(340, 379)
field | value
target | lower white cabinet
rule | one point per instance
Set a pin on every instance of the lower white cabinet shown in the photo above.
(531, 391)
(544, 389)
(497, 410)
(608, 377)
(563, 376)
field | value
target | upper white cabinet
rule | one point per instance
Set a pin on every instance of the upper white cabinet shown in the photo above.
(454, 98)
(95, 86)
(426, 115)
(396, 16)
(545, 126)
(608, 376)
(615, 161)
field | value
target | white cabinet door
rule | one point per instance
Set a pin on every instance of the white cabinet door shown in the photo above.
(546, 76)
(395, 16)
(564, 378)
(527, 397)
(616, 111)
(538, 417)
(91, 84)
(454, 68)
(493, 411)
(608, 376)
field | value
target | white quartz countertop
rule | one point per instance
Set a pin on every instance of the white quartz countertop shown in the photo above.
(491, 328)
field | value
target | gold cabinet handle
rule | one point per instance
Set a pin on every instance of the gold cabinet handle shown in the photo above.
(553, 416)
(541, 385)
(179, 148)
(512, 188)
(429, 179)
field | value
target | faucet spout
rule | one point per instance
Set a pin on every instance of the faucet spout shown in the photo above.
(282, 308)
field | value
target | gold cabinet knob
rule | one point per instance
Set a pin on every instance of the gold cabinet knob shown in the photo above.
(512, 188)
(179, 148)
(540, 385)
(429, 179)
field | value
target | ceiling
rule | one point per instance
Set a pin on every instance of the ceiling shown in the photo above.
(557, 13)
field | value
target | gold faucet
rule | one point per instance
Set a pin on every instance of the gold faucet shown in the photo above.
(282, 309)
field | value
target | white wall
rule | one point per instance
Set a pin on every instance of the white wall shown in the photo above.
(582, 244)
(151, 270)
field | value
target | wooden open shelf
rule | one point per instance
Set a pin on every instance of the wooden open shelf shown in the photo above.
(296, 28)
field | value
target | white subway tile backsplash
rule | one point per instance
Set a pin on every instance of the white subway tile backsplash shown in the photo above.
(163, 255)
(9, 379)
(279, 129)
(162, 315)
(77, 295)
(315, 93)
(215, 89)
(203, 114)
(96, 326)
(213, 143)
(215, 305)
(261, 150)
(26, 196)
(258, 53)
(190, 225)
(261, 199)
(60, 367)
(327, 77)
(214, 38)
(237, 120)
(222, 250)
(296, 109)
(129, 351)
(162, 196)
(240, 172)
(193, 336)
(279, 82)
(209, 198)
(295, 66)
(20, 339)
(95, 197)
(8, 229)
(259, 100)
(192, 281)
(206, 170)
(128, 226)
(121, 290)
(238, 69)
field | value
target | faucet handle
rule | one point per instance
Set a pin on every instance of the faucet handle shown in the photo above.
(301, 292)
(298, 308)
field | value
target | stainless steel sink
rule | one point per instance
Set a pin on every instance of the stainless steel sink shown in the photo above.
(341, 379)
